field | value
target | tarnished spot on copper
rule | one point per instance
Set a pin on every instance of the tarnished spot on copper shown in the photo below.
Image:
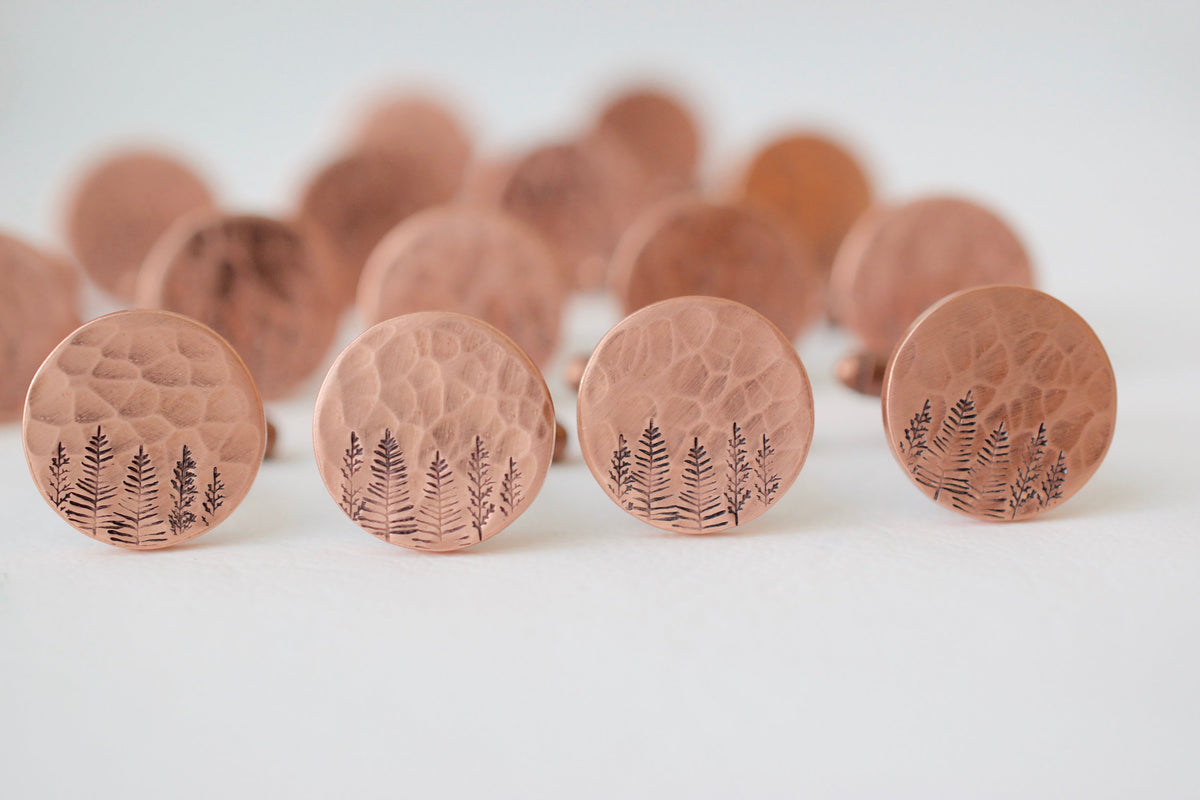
(573, 371)
(999, 402)
(120, 207)
(689, 246)
(421, 127)
(659, 132)
(433, 431)
(909, 256)
(38, 307)
(862, 372)
(143, 429)
(256, 282)
(560, 443)
(478, 262)
(695, 414)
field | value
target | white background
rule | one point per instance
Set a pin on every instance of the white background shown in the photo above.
(858, 641)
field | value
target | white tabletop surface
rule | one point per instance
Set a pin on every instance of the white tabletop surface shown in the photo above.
(857, 641)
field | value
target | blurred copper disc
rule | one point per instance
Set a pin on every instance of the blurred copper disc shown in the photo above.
(143, 429)
(814, 185)
(433, 431)
(659, 132)
(415, 125)
(482, 263)
(120, 207)
(999, 402)
(38, 307)
(359, 197)
(915, 254)
(695, 414)
(254, 281)
(689, 246)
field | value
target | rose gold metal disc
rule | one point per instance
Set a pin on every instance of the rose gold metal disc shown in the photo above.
(355, 200)
(912, 255)
(421, 127)
(121, 206)
(659, 132)
(433, 431)
(38, 307)
(999, 402)
(254, 281)
(478, 262)
(814, 185)
(695, 414)
(143, 429)
(689, 246)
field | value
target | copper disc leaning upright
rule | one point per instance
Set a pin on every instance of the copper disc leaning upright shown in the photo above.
(999, 402)
(695, 414)
(433, 431)
(257, 283)
(143, 429)
(659, 132)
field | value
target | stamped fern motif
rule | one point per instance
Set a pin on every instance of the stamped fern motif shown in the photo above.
(986, 490)
(737, 489)
(766, 482)
(510, 488)
(183, 490)
(480, 486)
(352, 460)
(1052, 484)
(60, 478)
(440, 514)
(1024, 489)
(700, 503)
(916, 437)
(651, 478)
(214, 497)
(948, 467)
(91, 498)
(620, 477)
(136, 520)
(386, 510)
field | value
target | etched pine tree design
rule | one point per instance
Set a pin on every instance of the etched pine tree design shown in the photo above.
(440, 515)
(510, 488)
(214, 497)
(950, 466)
(766, 482)
(737, 480)
(1052, 484)
(91, 498)
(136, 520)
(916, 437)
(480, 486)
(700, 503)
(352, 461)
(620, 477)
(387, 508)
(650, 481)
(1024, 489)
(60, 478)
(986, 490)
(183, 492)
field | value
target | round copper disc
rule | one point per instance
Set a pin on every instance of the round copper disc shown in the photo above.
(659, 132)
(482, 263)
(254, 281)
(121, 206)
(999, 402)
(814, 185)
(915, 254)
(355, 200)
(421, 127)
(695, 414)
(143, 429)
(433, 431)
(689, 246)
(38, 307)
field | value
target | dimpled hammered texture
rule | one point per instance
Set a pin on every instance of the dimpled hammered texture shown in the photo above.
(433, 431)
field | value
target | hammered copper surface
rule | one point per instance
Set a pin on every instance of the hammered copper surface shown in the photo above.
(478, 262)
(143, 429)
(689, 246)
(421, 127)
(999, 402)
(38, 307)
(915, 254)
(695, 414)
(433, 431)
(121, 206)
(814, 185)
(657, 130)
(356, 199)
(254, 281)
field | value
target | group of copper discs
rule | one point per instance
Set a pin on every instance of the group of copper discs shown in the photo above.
(434, 429)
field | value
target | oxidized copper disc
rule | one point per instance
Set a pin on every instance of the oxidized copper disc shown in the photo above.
(433, 431)
(355, 200)
(121, 206)
(417, 126)
(143, 429)
(999, 402)
(915, 254)
(38, 307)
(254, 281)
(659, 132)
(689, 246)
(482, 263)
(814, 185)
(695, 414)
